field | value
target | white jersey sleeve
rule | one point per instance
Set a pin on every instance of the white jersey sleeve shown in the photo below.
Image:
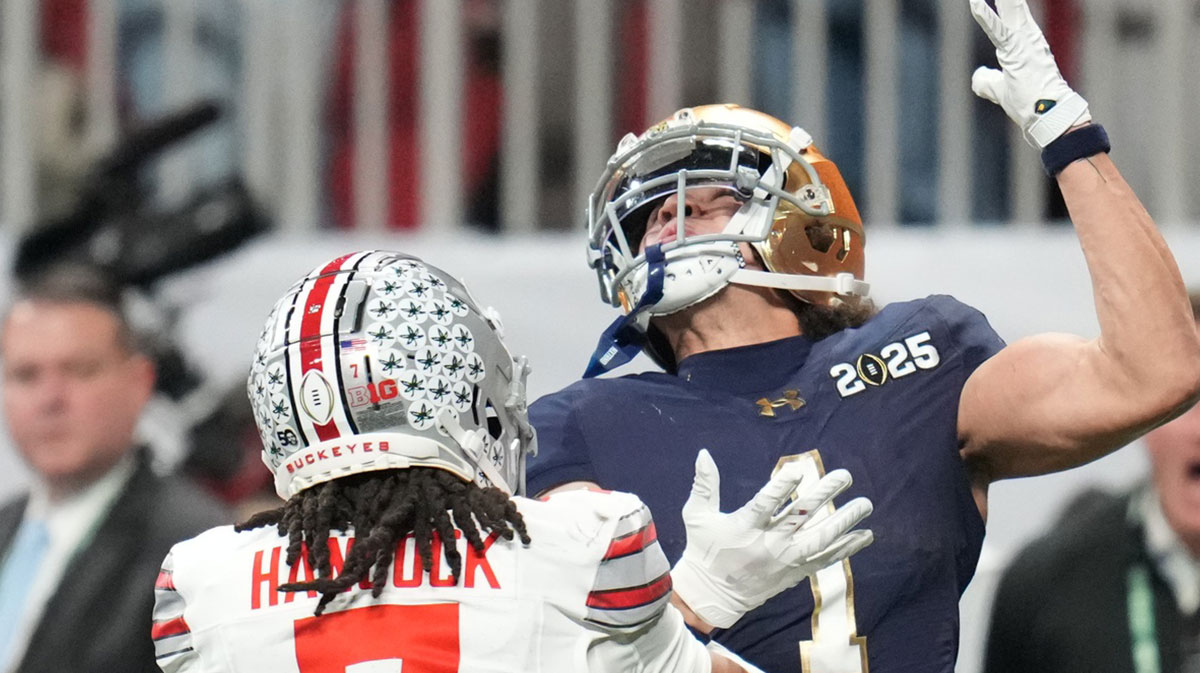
(630, 596)
(172, 638)
(632, 578)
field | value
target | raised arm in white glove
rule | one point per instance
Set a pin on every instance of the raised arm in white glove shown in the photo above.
(1028, 86)
(734, 562)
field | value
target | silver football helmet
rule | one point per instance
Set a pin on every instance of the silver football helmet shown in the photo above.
(796, 213)
(376, 360)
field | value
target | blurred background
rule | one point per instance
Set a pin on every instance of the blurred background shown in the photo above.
(211, 152)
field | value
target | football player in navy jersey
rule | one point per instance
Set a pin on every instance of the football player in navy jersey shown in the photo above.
(403, 541)
(736, 253)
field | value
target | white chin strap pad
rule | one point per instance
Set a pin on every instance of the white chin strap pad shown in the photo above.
(692, 280)
(692, 274)
(844, 284)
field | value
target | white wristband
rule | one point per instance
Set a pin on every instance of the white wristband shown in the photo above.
(1055, 122)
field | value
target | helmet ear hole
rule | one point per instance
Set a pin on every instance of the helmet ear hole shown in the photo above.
(495, 429)
(491, 417)
(820, 236)
(844, 251)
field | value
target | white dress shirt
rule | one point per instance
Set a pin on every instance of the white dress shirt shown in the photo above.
(1174, 562)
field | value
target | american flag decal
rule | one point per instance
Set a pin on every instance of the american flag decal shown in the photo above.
(356, 344)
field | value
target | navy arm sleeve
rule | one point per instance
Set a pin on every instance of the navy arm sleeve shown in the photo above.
(969, 329)
(563, 454)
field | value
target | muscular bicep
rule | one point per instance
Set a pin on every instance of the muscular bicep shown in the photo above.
(1047, 403)
(1052, 402)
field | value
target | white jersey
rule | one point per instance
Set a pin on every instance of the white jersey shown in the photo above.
(590, 593)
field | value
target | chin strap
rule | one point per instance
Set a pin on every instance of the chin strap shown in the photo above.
(525, 443)
(843, 283)
(623, 339)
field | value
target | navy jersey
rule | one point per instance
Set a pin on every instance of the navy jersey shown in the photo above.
(880, 401)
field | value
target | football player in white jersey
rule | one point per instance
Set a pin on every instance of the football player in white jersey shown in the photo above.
(393, 418)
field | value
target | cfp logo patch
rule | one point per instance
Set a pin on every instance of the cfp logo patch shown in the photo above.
(895, 360)
(791, 399)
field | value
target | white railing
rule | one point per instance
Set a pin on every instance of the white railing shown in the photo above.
(18, 41)
(1140, 84)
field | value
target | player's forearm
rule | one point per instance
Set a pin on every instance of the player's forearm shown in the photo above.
(1146, 364)
(719, 663)
(1148, 344)
(689, 617)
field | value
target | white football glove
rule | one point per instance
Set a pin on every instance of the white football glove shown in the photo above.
(1029, 86)
(733, 563)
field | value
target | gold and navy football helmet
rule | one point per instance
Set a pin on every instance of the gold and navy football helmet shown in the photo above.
(796, 213)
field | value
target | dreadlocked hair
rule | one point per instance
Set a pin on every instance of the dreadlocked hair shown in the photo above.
(382, 508)
(818, 322)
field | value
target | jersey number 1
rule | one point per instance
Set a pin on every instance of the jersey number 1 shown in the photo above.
(836, 646)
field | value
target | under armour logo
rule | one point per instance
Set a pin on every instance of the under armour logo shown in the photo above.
(791, 398)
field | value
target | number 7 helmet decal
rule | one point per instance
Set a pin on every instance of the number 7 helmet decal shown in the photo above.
(376, 360)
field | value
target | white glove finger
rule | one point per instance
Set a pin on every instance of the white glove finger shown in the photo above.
(851, 514)
(1017, 13)
(762, 507)
(706, 486)
(811, 501)
(813, 538)
(843, 519)
(824, 490)
(1033, 30)
(991, 24)
(792, 516)
(987, 83)
(842, 548)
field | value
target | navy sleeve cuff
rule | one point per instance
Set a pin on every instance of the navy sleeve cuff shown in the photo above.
(1073, 146)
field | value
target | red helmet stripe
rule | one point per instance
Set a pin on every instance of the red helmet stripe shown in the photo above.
(313, 344)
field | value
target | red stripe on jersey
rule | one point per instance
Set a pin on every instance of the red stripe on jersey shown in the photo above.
(631, 543)
(631, 597)
(165, 581)
(311, 354)
(171, 627)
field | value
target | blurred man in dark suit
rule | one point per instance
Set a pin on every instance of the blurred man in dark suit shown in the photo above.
(79, 552)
